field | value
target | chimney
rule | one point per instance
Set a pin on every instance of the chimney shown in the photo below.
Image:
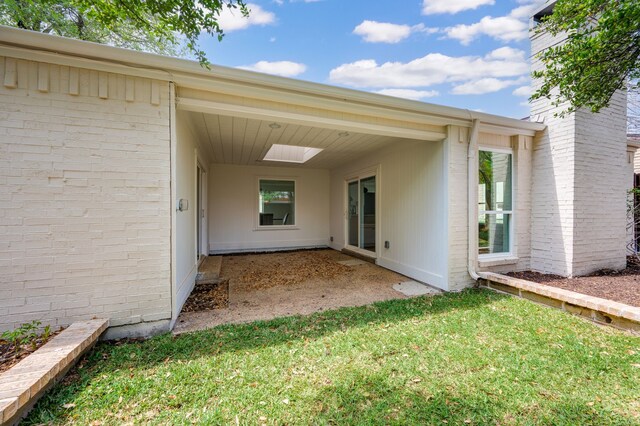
(580, 176)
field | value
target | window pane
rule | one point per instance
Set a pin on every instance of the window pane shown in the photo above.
(494, 181)
(493, 233)
(277, 202)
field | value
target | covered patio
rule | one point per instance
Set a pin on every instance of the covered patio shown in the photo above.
(277, 175)
(263, 163)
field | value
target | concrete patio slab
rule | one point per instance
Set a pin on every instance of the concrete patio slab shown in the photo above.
(414, 288)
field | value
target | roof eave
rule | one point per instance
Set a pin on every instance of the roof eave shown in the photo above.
(178, 70)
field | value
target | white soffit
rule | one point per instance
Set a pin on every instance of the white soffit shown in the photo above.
(291, 153)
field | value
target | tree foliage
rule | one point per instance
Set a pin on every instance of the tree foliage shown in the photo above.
(158, 26)
(601, 53)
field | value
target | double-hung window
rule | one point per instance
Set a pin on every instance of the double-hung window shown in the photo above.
(495, 202)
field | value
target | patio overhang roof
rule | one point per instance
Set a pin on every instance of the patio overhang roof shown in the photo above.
(242, 83)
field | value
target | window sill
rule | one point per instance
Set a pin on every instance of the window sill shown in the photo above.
(497, 261)
(276, 228)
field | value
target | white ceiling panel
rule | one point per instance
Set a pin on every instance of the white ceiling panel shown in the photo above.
(245, 141)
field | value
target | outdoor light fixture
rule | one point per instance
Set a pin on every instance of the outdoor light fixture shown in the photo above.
(274, 125)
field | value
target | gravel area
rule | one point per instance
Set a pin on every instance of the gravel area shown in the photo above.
(620, 286)
(270, 285)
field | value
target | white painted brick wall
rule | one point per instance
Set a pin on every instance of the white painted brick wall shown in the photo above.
(458, 225)
(84, 198)
(579, 183)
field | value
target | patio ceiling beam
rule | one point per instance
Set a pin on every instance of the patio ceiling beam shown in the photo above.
(230, 110)
(327, 100)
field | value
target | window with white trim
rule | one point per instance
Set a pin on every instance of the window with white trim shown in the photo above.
(495, 202)
(277, 202)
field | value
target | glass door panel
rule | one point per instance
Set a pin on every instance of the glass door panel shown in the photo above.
(353, 214)
(368, 214)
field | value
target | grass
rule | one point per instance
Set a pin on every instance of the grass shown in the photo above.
(470, 358)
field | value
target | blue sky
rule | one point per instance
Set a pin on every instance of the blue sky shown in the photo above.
(465, 53)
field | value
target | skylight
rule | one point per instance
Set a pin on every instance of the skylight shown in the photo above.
(291, 154)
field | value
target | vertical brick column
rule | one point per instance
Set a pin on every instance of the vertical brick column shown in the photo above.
(579, 184)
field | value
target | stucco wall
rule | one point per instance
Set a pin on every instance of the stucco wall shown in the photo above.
(411, 215)
(84, 196)
(233, 207)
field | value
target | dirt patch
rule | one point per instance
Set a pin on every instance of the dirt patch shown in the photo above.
(619, 286)
(259, 272)
(207, 297)
(10, 355)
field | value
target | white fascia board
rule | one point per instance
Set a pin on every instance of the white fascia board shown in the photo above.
(191, 74)
(504, 130)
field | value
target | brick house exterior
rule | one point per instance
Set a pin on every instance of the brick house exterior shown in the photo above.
(120, 170)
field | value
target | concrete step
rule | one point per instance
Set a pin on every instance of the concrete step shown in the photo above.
(209, 270)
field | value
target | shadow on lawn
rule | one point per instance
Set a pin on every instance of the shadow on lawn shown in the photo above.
(145, 355)
(242, 337)
(366, 398)
(373, 399)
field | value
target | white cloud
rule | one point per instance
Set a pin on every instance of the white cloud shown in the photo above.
(430, 7)
(508, 53)
(415, 95)
(504, 28)
(523, 91)
(232, 19)
(281, 68)
(483, 86)
(434, 68)
(384, 32)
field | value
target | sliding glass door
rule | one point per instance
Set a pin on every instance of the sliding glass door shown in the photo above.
(361, 214)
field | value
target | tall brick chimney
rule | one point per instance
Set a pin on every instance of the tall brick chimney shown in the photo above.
(579, 181)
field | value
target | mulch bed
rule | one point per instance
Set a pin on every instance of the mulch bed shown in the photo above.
(10, 357)
(207, 297)
(620, 286)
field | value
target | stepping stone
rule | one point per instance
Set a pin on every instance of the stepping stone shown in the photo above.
(414, 288)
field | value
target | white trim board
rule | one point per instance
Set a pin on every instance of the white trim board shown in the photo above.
(421, 275)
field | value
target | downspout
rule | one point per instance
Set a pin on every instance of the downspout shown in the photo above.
(472, 197)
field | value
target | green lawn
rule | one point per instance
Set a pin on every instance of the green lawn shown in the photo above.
(469, 358)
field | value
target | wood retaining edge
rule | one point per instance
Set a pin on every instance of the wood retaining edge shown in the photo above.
(602, 311)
